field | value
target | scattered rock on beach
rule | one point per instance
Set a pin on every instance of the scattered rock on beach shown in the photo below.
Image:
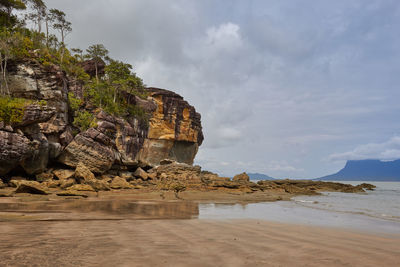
(2, 184)
(71, 193)
(44, 176)
(80, 187)
(82, 173)
(67, 183)
(140, 173)
(31, 187)
(63, 174)
(243, 177)
(120, 183)
(99, 185)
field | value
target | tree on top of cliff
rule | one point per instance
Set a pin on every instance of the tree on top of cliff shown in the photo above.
(97, 52)
(38, 13)
(7, 19)
(61, 24)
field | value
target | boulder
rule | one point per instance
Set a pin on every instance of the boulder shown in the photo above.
(120, 183)
(243, 177)
(38, 160)
(44, 176)
(63, 174)
(35, 113)
(14, 148)
(82, 173)
(126, 175)
(99, 185)
(31, 187)
(67, 183)
(80, 187)
(15, 180)
(52, 183)
(140, 173)
(92, 148)
(71, 193)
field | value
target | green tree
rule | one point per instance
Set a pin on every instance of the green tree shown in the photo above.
(8, 42)
(97, 52)
(6, 9)
(60, 23)
(78, 53)
(120, 78)
(39, 13)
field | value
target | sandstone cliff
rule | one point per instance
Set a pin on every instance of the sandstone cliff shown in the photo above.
(46, 137)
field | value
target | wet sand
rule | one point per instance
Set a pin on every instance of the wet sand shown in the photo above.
(131, 232)
(190, 243)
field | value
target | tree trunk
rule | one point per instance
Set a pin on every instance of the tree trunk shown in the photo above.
(4, 75)
(47, 33)
(97, 75)
(1, 73)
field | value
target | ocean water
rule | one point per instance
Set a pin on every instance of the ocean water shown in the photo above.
(376, 211)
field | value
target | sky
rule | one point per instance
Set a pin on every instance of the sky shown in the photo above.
(288, 88)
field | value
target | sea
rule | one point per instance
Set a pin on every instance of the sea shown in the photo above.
(374, 211)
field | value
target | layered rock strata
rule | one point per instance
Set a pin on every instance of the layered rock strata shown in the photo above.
(46, 135)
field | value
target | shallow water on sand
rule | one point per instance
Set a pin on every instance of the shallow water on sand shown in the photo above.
(376, 211)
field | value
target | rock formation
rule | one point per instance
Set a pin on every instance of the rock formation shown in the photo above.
(45, 136)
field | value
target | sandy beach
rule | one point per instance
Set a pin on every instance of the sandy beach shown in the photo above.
(190, 243)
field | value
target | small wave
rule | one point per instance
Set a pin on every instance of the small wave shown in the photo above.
(306, 201)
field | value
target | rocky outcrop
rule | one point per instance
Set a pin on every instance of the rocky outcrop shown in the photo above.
(174, 132)
(90, 67)
(45, 136)
(92, 148)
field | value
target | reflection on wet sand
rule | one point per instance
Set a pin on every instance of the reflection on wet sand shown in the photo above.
(97, 210)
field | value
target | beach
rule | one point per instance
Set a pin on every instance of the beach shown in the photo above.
(193, 242)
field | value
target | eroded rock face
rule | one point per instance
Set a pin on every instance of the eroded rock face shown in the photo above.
(91, 148)
(46, 134)
(30, 80)
(174, 130)
(14, 148)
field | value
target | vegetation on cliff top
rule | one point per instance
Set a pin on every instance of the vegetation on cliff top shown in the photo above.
(105, 89)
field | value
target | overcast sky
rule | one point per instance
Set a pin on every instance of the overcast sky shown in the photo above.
(287, 88)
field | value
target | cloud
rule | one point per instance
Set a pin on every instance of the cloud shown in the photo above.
(389, 150)
(274, 81)
(282, 166)
(225, 37)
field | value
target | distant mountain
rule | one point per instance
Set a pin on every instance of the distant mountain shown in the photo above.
(259, 176)
(367, 170)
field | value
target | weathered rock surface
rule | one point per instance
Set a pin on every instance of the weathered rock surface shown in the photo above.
(45, 134)
(90, 67)
(91, 148)
(120, 183)
(31, 187)
(243, 177)
(174, 132)
(14, 148)
(140, 173)
(63, 174)
(83, 174)
(71, 193)
(99, 185)
(80, 187)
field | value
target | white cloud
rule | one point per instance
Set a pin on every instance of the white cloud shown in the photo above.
(389, 150)
(288, 82)
(281, 166)
(224, 37)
